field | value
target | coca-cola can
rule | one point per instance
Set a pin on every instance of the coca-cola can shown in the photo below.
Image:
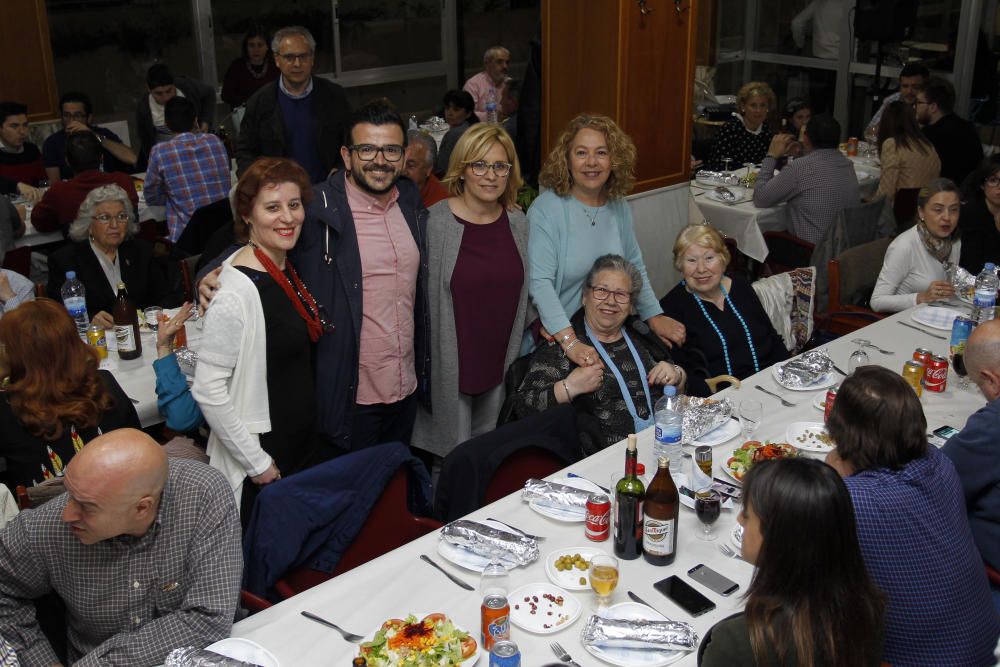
(831, 396)
(936, 374)
(922, 355)
(598, 523)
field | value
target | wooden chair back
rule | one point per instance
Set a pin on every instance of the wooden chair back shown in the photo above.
(713, 383)
(187, 266)
(904, 208)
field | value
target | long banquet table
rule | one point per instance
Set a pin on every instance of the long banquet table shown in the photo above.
(398, 583)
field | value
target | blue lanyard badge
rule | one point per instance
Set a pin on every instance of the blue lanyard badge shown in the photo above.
(640, 424)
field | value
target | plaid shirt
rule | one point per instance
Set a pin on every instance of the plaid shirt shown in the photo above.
(129, 600)
(187, 172)
(918, 548)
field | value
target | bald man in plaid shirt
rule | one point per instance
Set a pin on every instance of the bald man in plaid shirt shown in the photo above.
(145, 554)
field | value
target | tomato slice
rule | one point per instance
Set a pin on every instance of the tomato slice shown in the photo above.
(468, 647)
(435, 618)
(394, 623)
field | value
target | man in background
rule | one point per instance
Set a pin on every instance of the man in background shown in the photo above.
(955, 139)
(421, 154)
(76, 111)
(21, 169)
(150, 119)
(493, 80)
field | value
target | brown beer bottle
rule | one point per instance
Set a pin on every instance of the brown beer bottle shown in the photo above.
(659, 538)
(126, 326)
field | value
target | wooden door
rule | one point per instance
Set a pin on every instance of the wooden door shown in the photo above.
(28, 75)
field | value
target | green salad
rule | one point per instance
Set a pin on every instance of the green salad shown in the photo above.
(433, 641)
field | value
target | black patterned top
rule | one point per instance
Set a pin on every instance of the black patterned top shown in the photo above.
(737, 142)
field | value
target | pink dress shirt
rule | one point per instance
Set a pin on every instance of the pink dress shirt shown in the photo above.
(479, 87)
(390, 260)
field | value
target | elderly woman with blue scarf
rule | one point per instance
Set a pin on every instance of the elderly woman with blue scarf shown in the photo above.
(614, 398)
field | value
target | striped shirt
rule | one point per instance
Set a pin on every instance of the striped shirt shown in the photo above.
(129, 600)
(918, 548)
(817, 186)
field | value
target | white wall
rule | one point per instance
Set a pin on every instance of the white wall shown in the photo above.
(658, 216)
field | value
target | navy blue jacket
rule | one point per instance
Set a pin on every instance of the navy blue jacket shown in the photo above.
(329, 263)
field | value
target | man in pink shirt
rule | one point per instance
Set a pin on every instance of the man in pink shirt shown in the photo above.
(496, 62)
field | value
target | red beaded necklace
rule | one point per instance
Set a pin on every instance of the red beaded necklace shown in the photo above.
(296, 292)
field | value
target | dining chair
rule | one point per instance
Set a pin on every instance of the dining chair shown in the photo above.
(904, 208)
(187, 267)
(18, 260)
(714, 382)
(852, 277)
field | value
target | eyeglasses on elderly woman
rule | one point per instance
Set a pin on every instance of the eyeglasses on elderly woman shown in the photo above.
(602, 293)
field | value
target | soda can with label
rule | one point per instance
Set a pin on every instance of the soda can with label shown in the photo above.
(961, 329)
(505, 653)
(96, 338)
(495, 619)
(598, 521)
(936, 374)
(913, 373)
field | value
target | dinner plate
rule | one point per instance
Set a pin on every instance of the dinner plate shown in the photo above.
(935, 317)
(742, 195)
(246, 650)
(470, 560)
(736, 536)
(570, 579)
(543, 608)
(720, 434)
(566, 515)
(725, 463)
(468, 662)
(807, 437)
(824, 382)
(632, 657)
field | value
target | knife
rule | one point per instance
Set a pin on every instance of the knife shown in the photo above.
(643, 602)
(427, 559)
(923, 331)
(602, 488)
(836, 368)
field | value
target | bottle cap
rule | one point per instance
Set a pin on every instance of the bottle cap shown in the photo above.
(703, 453)
(640, 469)
(631, 442)
(70, 275)
(664, 461)
(669, 390)
(121, 285)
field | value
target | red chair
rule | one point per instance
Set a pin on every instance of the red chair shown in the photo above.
(18, 260)
(522, 465)
(389, 525)
(253, 603)
(785, 252)
(993, 576)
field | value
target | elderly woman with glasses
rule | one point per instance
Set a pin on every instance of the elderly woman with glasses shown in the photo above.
(617, 397)
(104, 253)
(746, 136)
(980, 219)
(477, 244)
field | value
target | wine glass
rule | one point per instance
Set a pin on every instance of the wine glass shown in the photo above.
(751, 413)
(494, 579)
(958, 364)
(708, 507)
(603, 577)
(727, 163)
(858, 358)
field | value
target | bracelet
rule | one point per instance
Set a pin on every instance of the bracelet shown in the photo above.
(569, 396)
(566, 337)
(570, 346)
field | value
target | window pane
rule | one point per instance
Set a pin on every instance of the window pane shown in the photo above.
(486, 23)
(932, 40)
(815, 85)
(731, 34)
(383, 33)
(420, 97)
(774, 26)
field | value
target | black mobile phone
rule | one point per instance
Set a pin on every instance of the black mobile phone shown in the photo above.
(684, 595)
(711, 579)
(945, 431)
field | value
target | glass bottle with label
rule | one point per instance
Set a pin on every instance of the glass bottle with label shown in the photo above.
(126, 326)
(660, 509)
(629, 492)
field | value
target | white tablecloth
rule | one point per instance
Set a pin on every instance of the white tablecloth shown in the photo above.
(399, 583)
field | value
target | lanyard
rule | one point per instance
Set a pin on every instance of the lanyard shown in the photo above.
(640, 424)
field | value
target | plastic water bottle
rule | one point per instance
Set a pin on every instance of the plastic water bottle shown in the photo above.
(985, 300)
(413, 123)
(491, 107)
(669, 423)
(75, 298)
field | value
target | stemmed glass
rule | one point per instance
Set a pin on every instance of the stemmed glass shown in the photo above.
(727, 163)
(858, 358)
(603, 578)
(494, 579)
(708, 507)
(751, 412)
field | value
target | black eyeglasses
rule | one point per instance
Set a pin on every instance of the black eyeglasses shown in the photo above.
(367, 152)
(602, 293)
(291, 58)
(992, 181)
(106, 218)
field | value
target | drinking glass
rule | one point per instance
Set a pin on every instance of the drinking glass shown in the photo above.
(727, 163)
(152, 315)
(708, 507)
(751, 413)
(603, 577)
(494, 579)
(958, 365)
(858, 358)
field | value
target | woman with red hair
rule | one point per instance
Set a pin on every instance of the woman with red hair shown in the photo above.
(55, 399)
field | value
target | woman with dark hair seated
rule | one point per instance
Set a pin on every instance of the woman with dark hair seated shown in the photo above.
(460, 114)
(55, 399)
(616, 398)
(912, 525)
(908, 157)
(253, 69)
(980, 221)
(811, 602)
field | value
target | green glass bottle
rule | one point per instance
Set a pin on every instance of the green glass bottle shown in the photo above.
(629, 494)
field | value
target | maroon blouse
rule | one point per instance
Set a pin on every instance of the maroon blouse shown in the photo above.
(485, 290)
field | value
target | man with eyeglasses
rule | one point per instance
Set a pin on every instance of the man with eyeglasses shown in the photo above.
(955, 139)
(150, 118)
(911, 79)
(299, 116)
(77, 116)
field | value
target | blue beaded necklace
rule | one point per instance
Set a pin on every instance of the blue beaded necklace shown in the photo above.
(718, 332)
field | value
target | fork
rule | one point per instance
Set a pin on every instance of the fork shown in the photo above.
(537, 538)
(730, 552)
(867, 343)
(786, 403)
(349, 636)
(562, 654)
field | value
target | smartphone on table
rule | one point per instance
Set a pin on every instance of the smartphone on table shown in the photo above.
(712, 580)
(684, 595)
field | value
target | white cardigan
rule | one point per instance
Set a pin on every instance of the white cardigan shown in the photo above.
(230, 380)
(908, 270)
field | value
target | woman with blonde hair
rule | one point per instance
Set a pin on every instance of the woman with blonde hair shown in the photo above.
(477, 287)
(582, 216)
(746, 136)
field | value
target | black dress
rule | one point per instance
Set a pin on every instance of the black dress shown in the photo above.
(735, 141)
(291, 385)
(980, 237)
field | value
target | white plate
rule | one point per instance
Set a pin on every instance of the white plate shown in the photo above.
(468, 662)
(820, 403)
(935, 317)
(569, 516)
(824, 382)
(570, 579)
(630, 657)
(469, 560)
(238, 648)
(804, 436)
(736, 537)
(549, 616)
(742, 195)
(719, 434)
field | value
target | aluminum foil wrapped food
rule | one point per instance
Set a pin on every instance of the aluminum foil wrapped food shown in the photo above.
(702, 415)
(806, 369)
(558, 496)
(187, 359)
(199, 657)
(639, 634)
(964, 284)
(490, 542)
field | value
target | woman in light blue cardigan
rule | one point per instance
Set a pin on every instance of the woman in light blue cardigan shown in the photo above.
(582, 216)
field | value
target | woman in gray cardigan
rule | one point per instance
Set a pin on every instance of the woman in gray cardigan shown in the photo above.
(478, 287)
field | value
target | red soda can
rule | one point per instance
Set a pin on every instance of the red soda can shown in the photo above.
(922, 356)
(495, 619)
(936, 374)
(831, 396)
(852, 146)
(598, 523)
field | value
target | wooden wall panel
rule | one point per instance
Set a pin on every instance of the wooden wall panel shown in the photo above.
(28, 75)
